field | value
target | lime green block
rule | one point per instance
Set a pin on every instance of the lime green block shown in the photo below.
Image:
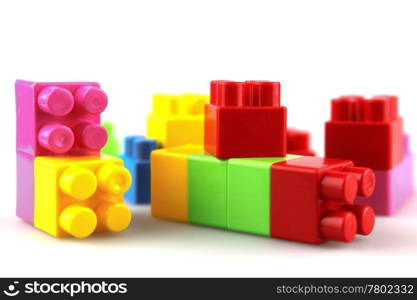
(248, 192)
(207, 195)
(112, 146)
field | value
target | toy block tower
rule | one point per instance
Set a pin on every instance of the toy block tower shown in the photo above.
(243, 180)
(65, 186)
(175, 120)
(370, 133)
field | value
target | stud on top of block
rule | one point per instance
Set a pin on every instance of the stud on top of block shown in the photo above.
(59, 118)
(247, 94)
(179, 105)
(358, 109)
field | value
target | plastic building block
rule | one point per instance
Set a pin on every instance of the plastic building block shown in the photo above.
(312, 200)
(112, 146)
(248, 194)
(59, 118)
(76, 196)
(177, 120)
(207, 190)
(309, 200)
(169, 182)
(367, 131)
(298, 142)
(25, 188)
(393, 187)
(137, 158)
(245, 119)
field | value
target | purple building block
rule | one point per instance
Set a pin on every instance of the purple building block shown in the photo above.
(58, 118)
(393, 187)
(25, 189)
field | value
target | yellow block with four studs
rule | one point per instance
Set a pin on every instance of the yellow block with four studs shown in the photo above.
(76, 196)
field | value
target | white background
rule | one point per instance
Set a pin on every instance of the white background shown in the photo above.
(316, 49)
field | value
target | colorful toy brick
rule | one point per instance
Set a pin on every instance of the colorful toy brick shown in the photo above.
(169, 182)
(245, 119)
(298, 142)
(394, 186)
(312, 200)
(207, 199)
(76, 196)
(59, 118)
(137, 160)
(177, 120)
(112, 146)
(367, 131)
(248, 193)
(25, 186)
(305, 199)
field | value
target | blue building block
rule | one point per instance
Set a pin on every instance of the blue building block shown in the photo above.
(136, 159)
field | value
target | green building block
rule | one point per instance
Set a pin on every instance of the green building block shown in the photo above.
(248, 193)
(207, 194)
(112, 146)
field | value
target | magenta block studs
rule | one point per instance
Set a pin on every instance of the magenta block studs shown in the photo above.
(59, 118)
(54, 119)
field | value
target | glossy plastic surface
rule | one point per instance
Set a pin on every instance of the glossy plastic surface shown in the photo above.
(245, 119)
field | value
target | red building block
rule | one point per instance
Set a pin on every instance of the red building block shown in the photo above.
(245, 119)
(367, 131)
(58, 118)
(298, 142)
(312, 200)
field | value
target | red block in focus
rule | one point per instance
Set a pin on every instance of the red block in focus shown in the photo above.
(367, 131)
(312, 200)
(245, 119)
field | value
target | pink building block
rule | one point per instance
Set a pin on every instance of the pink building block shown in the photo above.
(394, 186)
(25, 189)
(58, 118)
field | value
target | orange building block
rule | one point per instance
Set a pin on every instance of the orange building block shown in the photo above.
(169, 182)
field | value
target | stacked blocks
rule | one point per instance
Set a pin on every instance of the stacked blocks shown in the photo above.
(246, 182)
(245, 119)
(65, 187)
(370, 133)
(137, 160)
(177, 119)
(305, 199)
(298, 142)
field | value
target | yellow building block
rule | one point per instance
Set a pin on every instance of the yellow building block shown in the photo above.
(76, 196)
(169, 182)
(177, 120)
